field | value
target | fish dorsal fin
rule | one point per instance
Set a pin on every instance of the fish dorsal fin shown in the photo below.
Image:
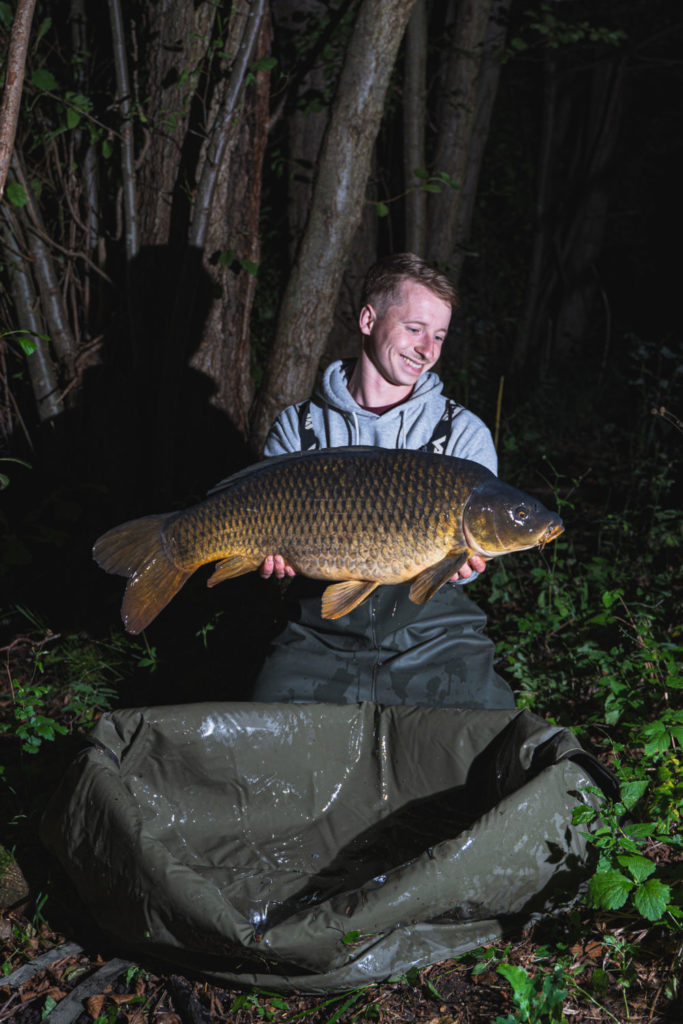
(427, 582)
(233, 565)
(341, 598)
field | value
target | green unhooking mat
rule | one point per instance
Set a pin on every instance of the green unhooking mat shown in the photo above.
(318, 847)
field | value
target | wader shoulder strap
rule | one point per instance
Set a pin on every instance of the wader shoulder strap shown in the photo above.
(436, 443)
(442, 430)
(309, 442)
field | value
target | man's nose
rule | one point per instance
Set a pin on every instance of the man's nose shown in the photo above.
(426, 345)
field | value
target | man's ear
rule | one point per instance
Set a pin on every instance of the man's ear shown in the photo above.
(367, 319)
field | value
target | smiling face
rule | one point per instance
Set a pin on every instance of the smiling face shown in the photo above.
(405, 341)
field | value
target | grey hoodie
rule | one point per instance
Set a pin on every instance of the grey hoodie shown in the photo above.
(337, 420)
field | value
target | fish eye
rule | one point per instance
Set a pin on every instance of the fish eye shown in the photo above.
(521, 513)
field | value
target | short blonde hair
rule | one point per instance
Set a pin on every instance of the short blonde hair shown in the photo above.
(382, 285)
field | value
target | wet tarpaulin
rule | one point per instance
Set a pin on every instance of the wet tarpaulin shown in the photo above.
(318, 847)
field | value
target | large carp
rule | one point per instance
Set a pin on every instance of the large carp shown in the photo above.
(363, 516)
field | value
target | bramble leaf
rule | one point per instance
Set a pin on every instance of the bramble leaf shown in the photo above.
(16, 194)
(44, 79)
(609, 889)
(651, 899)
(639, 867)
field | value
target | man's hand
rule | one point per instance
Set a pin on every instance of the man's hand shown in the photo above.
(473, 564)
(275, 564)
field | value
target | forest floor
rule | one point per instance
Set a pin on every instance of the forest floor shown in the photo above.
(611, 973)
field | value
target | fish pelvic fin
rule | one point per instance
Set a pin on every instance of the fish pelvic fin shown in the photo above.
(427, 582)
(233, 565)
(341, 598)
(136, 549)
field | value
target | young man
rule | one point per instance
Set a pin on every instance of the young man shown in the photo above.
(388, 650)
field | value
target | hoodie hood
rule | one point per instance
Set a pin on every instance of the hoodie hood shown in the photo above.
(390, 430)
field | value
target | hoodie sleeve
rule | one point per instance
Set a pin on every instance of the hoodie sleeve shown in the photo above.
(471, 439)
(283, 437)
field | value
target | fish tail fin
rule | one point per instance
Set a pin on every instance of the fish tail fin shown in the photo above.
(136, 549)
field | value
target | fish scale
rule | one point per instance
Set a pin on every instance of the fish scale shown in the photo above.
(360, 516)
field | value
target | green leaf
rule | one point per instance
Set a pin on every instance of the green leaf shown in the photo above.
(640, 829)
(639, 867)
(351, 937)
(48, 1007)
(421, 172)
(107, 148)
(264, 64)
(6, 15)
(582, 815)
(26, 344)
(651, 899)
(249, 266)
(631, 792)
(45, 26)
(382, 209)
(522, 984)
(431, 188)
(73, 118)
(609, 889)
(44, 79)
(16, 194)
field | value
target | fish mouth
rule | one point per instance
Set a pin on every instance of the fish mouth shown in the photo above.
(550, 534)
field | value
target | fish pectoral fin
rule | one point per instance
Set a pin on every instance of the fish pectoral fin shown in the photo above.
(233, 565)
(341, 598)
(427, 582)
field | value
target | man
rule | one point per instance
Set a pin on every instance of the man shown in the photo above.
(388, 650)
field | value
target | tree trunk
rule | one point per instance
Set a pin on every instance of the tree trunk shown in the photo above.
(14, 81)
(308, 304)
(456, 120)
(414, 120)
(487, 89)
(224, 353)
(562, 284)
(42, 375)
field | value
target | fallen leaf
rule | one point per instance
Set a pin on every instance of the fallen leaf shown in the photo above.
(94, 1005)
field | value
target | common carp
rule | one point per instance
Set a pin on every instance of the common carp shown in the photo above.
(361, 516)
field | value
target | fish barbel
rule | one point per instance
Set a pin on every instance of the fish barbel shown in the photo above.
(360, 516)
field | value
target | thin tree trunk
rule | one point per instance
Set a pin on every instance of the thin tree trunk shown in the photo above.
(175, 68)
(41, 369)
(528, 325)
(308, 304)
(127, 142)
(487, 90)
(414, 118)
(224, 353)
(14, 81)
(222, 131)
(456, 122)
(52, 300)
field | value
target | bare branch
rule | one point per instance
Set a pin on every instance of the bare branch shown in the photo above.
(14, 82)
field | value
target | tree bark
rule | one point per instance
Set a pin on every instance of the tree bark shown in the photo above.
(131, 231)
(14, 81)
(487, 89)
(41, 370)
(45, 273)
(414, 119)
(174, 83)
(308, 304)
(224, 353)
(456, 122)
